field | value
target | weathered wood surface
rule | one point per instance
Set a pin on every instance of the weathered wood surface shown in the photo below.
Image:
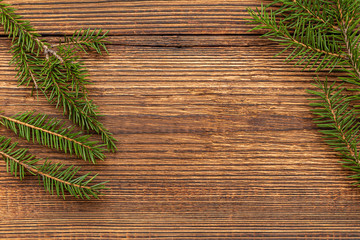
(215, 136)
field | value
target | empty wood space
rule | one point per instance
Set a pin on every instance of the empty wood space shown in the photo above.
(215, 136)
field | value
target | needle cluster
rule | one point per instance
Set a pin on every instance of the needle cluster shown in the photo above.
(323, 35)
(52, 133)
(55, 177)
(56, 72)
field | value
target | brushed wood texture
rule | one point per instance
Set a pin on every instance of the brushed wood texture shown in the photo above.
(215, 135)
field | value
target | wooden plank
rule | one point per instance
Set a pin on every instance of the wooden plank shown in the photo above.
(215, 135)
(138, 17)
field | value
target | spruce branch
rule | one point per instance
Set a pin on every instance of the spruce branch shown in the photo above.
(310, 10)
(350, 35)
(76, 72)
(305, 5)
(80, 110)
(55, 177)
(25, 64)
(20, 31)
(56, 72)
(310, 45)
(338, 122)
(23, 33)
(60, 76)
(347, 17)
(329, 30)
(52, 82)
(86, 40)
(51, 132)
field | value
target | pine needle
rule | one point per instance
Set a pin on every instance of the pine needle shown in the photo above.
(323, 35)
(56, 71)
(51, 132)
(56, 178)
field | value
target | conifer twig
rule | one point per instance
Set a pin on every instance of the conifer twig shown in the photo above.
(344, 29)
(57, 72)
(313, 14)
(311, 45)
(337, 120)
(335, 114)
(331, 29)
(51, 133)
(56, 179)
(59, 76)
(85, 39)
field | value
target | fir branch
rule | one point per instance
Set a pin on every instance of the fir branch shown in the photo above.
(20, 31)
(52, 81)
(51, 133)
(311, 46)
(338, 122)
(348, 20)
(55, 178)
(338, 35)
(80, 111)
(23, 33)
(86, 40)
(350, 39)
(75, 71)
(25, 65)
(311, 10)
(62, 79)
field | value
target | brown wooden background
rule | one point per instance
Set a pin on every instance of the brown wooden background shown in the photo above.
(215, 136)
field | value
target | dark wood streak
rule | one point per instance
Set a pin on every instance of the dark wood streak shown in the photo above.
(215, 135)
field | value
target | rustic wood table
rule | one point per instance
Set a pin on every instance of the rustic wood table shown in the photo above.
(216, 140)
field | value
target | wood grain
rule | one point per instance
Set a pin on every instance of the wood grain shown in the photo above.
(215, 135)
(138, 17)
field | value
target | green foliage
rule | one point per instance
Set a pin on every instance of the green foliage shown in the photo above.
(56, 178)
(25, 65)
(20, 31)
(320, 33)
(52, 133)
(338, 122)
(57, 73)
(348, 19)
(79, 108)
(301, 32)
(52, 79)
(85, 40)
(323, 35)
